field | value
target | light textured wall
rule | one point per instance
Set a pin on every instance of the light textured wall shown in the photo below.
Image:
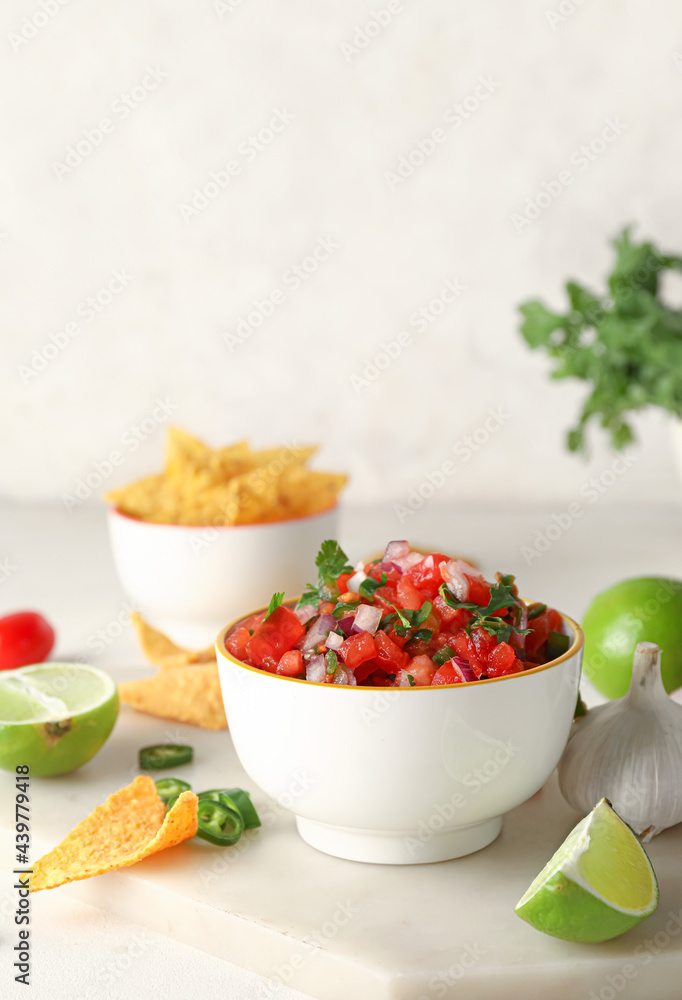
(329, 179)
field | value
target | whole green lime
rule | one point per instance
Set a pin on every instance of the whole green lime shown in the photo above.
(645, 609)
(54, 717)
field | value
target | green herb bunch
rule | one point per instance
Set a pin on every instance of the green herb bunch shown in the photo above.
(627, 343)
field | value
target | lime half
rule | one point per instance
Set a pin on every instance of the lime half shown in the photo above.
(54, 716)
(598, 885)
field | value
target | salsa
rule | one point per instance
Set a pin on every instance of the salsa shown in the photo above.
(407, 619)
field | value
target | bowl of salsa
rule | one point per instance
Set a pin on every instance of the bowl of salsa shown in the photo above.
(459, 696)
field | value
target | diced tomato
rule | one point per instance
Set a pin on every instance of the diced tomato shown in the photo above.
(422, 668)
(366, 669)
(463, 645)
(408, 595)
(274, 636)
(479, 591)
(399, 640)
(426, 574)
(548, 621)
(389, 654)
(446, 675)
(383, 596)
(416, 647)
(291, 663)
(378, 571)
(502, 661)
(484, 643)
(440, 640)
(237, 642)
(356, 649)
(342, 582)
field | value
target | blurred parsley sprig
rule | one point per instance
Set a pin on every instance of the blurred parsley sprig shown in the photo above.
(627, 343)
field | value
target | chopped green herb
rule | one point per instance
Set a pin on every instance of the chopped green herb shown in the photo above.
(557, 644)
(368, 587)
(625, 343)
(423, 634)
(331, 562)
(332, 661)
(501, 596)
(536, 610)
(444, 654)
(275, 602)
(411, 680)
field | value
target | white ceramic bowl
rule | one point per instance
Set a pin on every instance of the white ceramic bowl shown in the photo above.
(401, 775)
(187, 581)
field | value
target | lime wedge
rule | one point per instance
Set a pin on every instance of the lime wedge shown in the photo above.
(598, 885)
(54, 716)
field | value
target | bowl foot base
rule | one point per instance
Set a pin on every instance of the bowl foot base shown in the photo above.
(398, 848)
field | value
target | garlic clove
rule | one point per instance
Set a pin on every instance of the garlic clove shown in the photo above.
(630, 752)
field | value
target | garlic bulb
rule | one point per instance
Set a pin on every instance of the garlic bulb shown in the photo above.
(630, 752)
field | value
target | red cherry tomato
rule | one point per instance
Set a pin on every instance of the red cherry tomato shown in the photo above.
(25, 637)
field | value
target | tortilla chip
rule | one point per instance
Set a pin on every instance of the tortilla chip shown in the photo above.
(184, 693)
(232, 485)
(162, 651)
(129, 826)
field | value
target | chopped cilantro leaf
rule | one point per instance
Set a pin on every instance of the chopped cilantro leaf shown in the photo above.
(412, 681)
(423, 634)
(444, 654)
(275, 602)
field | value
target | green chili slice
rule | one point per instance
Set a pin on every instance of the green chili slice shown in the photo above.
(237, 799)
(218, 823)
(170, 788)
(165, 755)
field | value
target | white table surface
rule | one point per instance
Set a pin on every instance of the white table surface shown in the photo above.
(59, 563)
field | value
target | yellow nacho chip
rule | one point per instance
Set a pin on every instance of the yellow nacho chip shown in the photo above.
(129, 826)
(184, 693)
(162, 651)
(231, 485)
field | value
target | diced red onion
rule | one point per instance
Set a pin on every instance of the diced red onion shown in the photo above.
(342, 675)
(406, 563)
(465, 567)
(318, 631)
(316, 670)
(367, 619)
(387, 567)
(305, 613)
(346, 624)
(519, 641)
(455, 580)
(333, 641)
(462, 669)
(396, 550)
